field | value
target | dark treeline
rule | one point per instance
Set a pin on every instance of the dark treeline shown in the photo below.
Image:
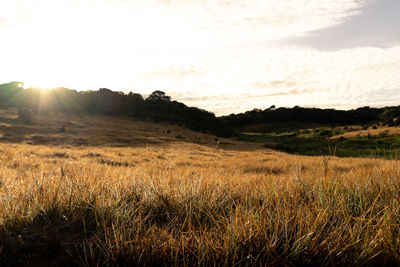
(157, 106)
(361, 116)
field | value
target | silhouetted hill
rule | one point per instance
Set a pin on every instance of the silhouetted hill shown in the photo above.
(160, 108)
(156, 107)
(306, 116)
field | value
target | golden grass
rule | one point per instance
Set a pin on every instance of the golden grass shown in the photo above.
(94, 130)
(190, 204)
(380, 131)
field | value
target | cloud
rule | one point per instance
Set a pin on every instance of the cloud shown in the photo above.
(177, 23)
(287, 76)
(216, 54)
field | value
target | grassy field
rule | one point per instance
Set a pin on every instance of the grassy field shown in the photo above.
(382, 142)
(57, 129)
(188, 201)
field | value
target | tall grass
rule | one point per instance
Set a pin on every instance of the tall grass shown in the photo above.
(188, 205)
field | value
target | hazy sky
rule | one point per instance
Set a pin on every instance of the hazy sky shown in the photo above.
(223, 56)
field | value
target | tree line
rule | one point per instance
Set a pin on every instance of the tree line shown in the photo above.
(157, 106)
(360, 116)
(160, 107)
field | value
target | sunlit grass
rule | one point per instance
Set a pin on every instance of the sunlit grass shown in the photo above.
(186, 204)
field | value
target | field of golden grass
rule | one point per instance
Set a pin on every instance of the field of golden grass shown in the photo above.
(58, 129)
(185, 204)
(379, 131)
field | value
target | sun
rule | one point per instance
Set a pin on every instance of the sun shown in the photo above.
(43, 86)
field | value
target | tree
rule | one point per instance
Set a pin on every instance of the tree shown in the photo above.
(158, 96)
(135, 96)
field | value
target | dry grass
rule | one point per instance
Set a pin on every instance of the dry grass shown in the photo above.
(379, 131)
(189, 204)
(94, 130)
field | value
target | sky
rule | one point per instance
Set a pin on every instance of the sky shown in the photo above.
(219, 55)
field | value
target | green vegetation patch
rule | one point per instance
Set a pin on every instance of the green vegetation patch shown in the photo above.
(316, 143)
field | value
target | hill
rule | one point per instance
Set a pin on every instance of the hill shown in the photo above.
(157, 107)
(286, 119)
(61, 129)
(68, 117)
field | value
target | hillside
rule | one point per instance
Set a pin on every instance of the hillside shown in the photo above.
(287, 119)
(159, 107)
(88, 130)
(61, 129)
(156, 107)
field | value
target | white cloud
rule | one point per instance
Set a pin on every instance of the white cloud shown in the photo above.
(215, 54)
(176, 23)
(288, 76)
